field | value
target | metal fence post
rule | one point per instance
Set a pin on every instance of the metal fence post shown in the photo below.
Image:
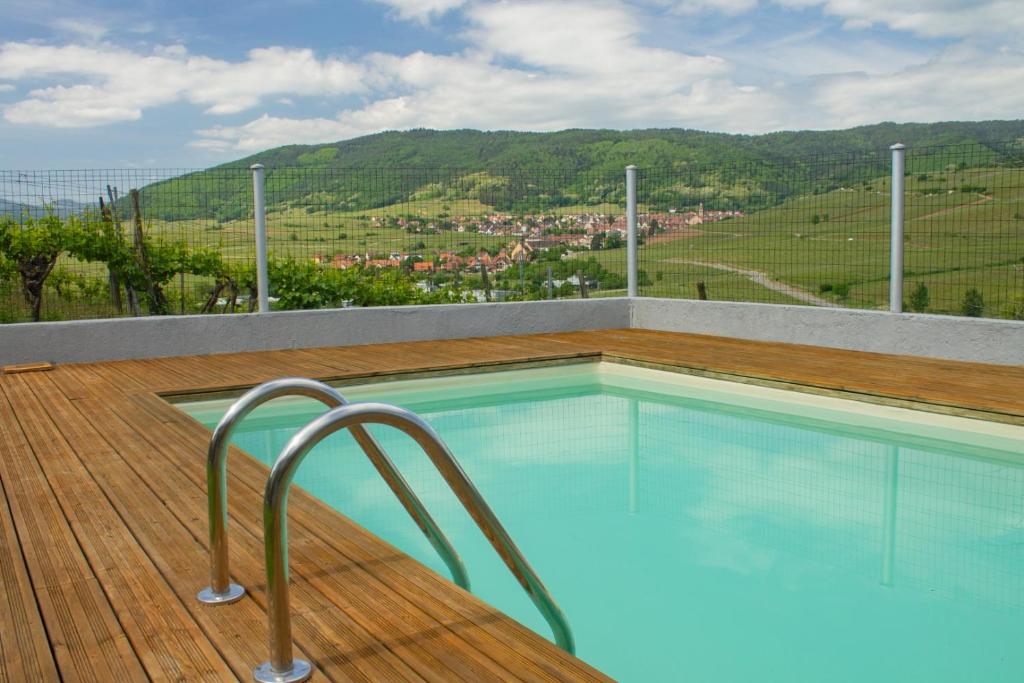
(260, 208)
(631, 272)
(899, 151)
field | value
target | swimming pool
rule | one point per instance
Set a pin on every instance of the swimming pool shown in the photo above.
(695, 529)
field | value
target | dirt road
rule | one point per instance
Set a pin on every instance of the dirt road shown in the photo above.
(763, 280)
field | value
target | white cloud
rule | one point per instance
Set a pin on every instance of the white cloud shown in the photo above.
(122, 83)
(928, 18)
(6, 87)
(962, 83)
(70, 107)
(596, 38)
(270, 131)
(82, 27)
(808, 54)
(532, 65)
(421, 10)
(729, 7)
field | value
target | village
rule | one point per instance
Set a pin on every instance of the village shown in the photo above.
(528, 236)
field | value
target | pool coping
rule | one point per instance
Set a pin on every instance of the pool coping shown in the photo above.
(176, 397)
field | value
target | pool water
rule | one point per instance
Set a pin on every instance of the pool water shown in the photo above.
(699, 530)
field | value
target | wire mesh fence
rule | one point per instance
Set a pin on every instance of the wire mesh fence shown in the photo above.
(812, 230)
(816, 231)
(497, 235)
(404, 235)
(198, 210)
(803, 231)
(964, 230)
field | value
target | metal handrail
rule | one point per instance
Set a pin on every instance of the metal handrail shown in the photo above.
(221, 590)
(282, 667)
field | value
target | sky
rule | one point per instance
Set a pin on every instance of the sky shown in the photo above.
(191, 83)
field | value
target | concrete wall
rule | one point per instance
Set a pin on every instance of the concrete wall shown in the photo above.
(974, 339)
(913, 334)
(92, 340)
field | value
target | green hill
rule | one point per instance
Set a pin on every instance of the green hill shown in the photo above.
(524, 172)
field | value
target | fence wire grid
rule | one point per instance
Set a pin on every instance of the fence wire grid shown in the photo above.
(811, 231)
(817, 231)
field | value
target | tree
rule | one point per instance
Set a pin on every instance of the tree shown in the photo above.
(162, 261)
(973, 304)
(919, 298)
(32, 249)
(231, 280)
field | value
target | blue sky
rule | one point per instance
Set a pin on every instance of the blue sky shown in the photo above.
(190, 83)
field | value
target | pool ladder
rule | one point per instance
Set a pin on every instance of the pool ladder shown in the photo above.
(283, 667)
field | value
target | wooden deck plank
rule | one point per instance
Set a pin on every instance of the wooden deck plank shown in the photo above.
(27, 367)
(102, 509)
(975, 386)
(85, 635)
(23, 639)
(165, 637)
(165, 533)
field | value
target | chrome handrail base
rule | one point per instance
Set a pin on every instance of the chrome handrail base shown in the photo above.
(208, 596)
(300, 671)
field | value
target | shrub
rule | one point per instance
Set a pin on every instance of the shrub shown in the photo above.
(973, 304)
(919, 298)
(1015, 309)
(305, 285)
(824, 288)
(842, 290)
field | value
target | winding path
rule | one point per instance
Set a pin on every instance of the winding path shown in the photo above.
(763, 280)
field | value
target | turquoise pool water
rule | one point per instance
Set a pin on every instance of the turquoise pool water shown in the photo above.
(696, 530)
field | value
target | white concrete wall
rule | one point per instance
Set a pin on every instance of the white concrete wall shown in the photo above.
(973, 339)
(913, 334)
(93, 340)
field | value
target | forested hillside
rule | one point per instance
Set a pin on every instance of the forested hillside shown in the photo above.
(513, 171)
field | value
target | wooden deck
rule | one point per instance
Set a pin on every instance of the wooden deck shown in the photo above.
(103, 515)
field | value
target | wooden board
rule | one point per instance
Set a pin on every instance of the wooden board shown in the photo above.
(27, 367)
